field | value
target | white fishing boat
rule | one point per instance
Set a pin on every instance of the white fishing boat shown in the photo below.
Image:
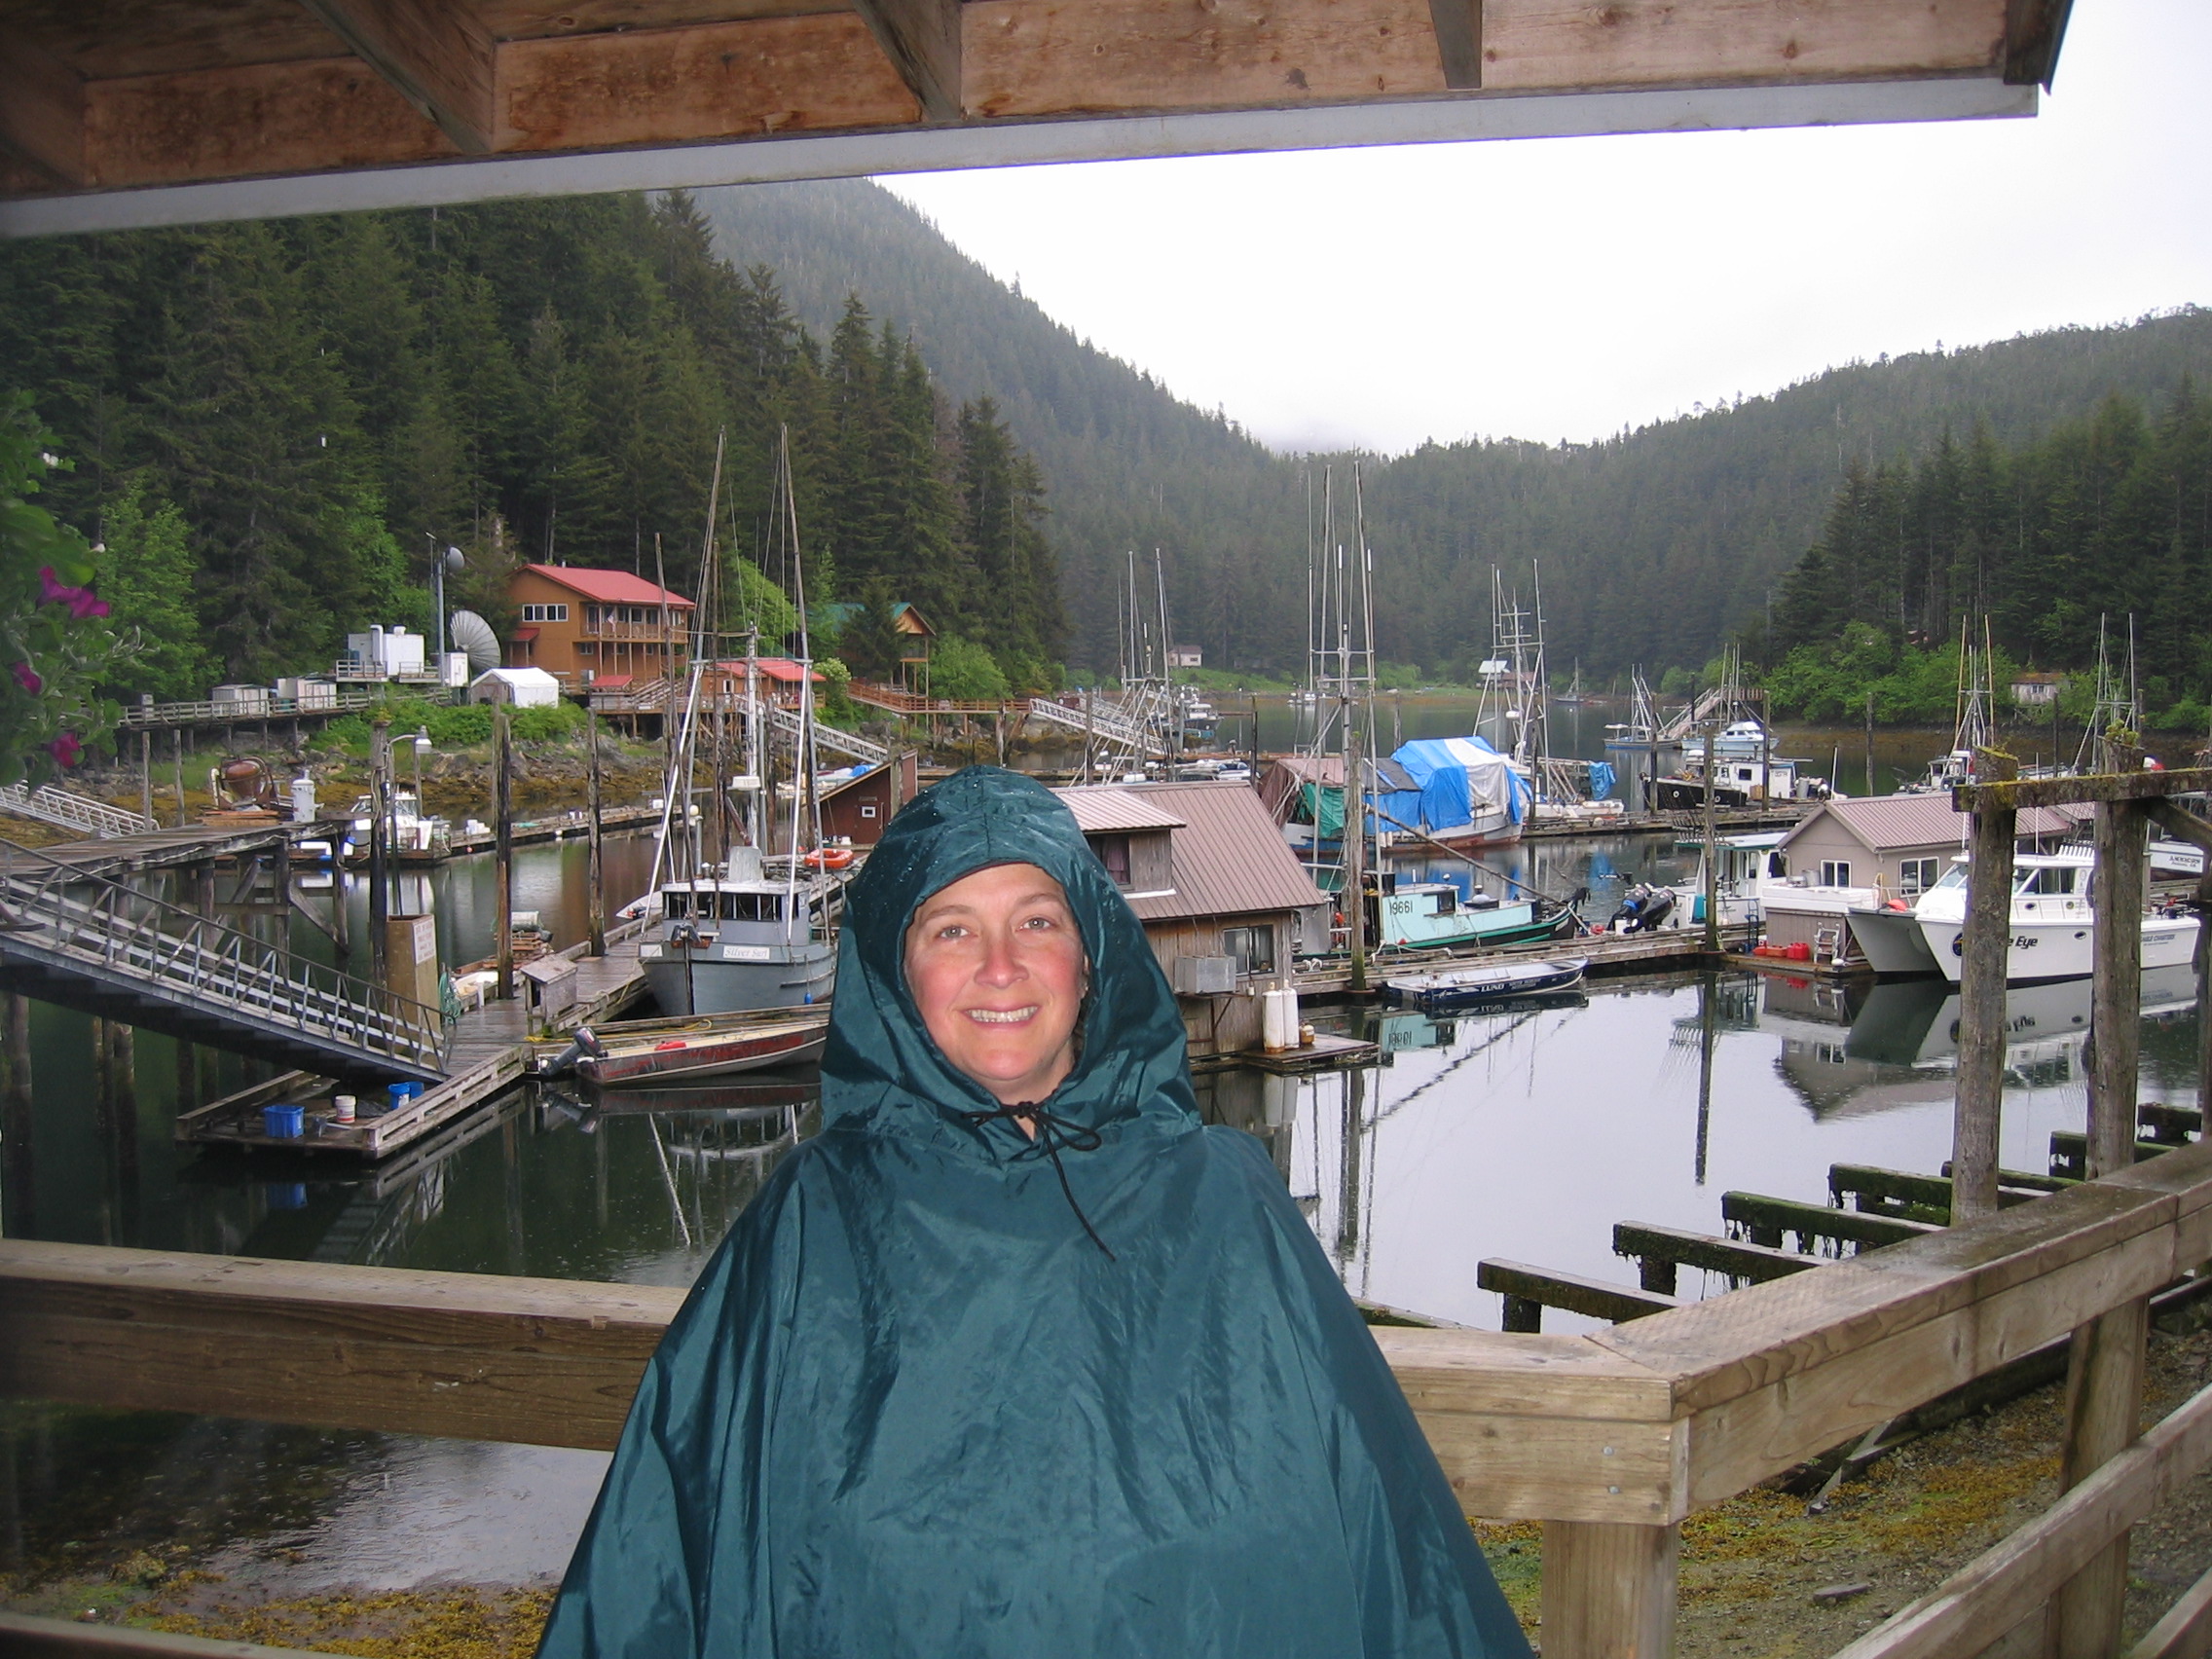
(2054, 917)
(746, 931)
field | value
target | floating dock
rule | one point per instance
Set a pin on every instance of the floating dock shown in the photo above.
(489, 1051)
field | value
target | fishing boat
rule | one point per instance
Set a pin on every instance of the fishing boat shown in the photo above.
(749, 930)
(1466, 987)
(1434, 914)
(701, 1049)
(2054, 921)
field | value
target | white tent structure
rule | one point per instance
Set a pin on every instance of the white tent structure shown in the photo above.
(518, 687)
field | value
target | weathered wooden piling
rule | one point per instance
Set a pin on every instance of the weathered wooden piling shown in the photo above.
(1985, 942)
(18, 1178)
(2104, 1392)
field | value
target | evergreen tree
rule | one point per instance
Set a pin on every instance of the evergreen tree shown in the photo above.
(145, 573)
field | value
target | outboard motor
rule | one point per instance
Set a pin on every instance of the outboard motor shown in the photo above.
(581, 1043)
(1642, 907)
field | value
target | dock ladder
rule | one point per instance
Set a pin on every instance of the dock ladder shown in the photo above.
(89, 943)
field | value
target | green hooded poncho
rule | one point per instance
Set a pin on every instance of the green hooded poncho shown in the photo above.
(911, 1409)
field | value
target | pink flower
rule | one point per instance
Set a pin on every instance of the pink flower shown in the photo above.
(81, 601)
(65, 749)
(28, 678)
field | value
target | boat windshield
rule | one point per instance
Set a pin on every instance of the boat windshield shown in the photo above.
(1954, 877)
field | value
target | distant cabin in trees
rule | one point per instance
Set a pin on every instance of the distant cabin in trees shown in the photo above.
(1186, 656)
(903, 660)
(2037, 690)
(608, 624)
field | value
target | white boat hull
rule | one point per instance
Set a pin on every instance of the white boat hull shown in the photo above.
(1892, 941)
(2064, 947)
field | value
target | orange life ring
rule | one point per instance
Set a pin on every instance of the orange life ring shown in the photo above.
(829, 858)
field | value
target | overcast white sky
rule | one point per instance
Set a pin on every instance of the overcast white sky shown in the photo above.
(1564, 287)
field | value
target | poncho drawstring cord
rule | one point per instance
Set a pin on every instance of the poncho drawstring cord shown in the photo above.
(1051, 1134)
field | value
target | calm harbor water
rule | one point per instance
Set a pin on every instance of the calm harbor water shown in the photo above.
(1523, 1135)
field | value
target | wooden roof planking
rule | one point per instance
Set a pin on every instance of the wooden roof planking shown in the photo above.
(119, 113)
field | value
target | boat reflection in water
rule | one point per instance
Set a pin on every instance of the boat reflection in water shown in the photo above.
(1857, 1048)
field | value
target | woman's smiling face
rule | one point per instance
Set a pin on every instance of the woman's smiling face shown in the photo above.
(996, 965)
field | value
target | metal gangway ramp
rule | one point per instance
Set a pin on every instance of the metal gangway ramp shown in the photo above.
(49, 803)
(88, 942)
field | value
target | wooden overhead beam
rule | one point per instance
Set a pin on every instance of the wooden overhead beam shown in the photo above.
(41, 111)
(2182, 825)
(922, 40)
(436, 53)
(1051, 57)
(1458, 27)
(2033, 32)
(1014, 61)
(2072, 791)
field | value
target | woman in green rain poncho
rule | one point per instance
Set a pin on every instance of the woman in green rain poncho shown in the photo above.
(1015, 1358)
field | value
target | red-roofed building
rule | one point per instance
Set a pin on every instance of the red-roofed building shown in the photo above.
(606, 624)
(778, 680)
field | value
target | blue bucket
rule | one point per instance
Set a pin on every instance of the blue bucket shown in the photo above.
(401, 1093)
(280, 1123)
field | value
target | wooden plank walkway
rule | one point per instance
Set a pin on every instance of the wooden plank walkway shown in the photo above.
(1668, 950)
(489, 1053)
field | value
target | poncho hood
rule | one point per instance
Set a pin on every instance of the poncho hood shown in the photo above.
(881, 1070)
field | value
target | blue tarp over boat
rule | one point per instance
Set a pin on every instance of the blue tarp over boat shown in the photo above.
(1455, 778)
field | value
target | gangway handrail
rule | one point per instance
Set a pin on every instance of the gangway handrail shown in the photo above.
(120, 931)
(49, 803)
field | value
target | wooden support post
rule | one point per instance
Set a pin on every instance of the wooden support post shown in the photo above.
(380, 847)
(1608, 1590)
(596, 864)
(504, 844)
(178, 758)
(18, 1185)
(2104, 1403)
(2104, 1377)
(1986, 946)
(146, 774)
(2203, 978)
(2116, 1019)
(122, 1121)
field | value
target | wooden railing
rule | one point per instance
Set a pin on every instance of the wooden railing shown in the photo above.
(1609, 1439)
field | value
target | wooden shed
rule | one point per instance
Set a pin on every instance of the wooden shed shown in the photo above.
(1224, 901)
(1902, 844)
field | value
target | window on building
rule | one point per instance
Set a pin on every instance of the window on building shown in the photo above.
(1835, 873)
(1254, 948)
(544, 614)
(594, 615)
(1920, 874)
(1113, 853)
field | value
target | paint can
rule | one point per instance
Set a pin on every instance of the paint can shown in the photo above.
(341, 1108)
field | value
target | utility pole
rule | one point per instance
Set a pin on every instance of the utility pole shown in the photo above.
(503, 856)
(1712, 848)
(596, 877)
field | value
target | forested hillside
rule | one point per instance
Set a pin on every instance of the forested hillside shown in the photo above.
(273, 425)
(280, 411)
(1128, 465)
(1652, 546)
(2099, 531)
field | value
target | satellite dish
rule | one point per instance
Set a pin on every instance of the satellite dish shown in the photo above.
(473, 635)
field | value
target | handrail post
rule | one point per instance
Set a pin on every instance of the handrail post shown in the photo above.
(1608, 1590)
